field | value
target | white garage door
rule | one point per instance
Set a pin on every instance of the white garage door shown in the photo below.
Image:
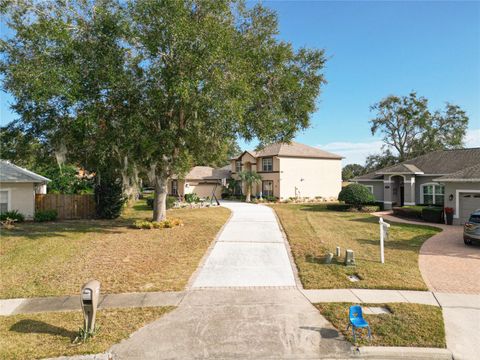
(469, 202)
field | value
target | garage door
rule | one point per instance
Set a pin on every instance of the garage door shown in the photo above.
(205, 190)
(469, 202)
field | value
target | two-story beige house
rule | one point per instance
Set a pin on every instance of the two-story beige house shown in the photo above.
(292, 170)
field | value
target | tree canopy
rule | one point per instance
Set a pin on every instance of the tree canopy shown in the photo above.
(352, 170)
(154, 87)
(409, 128)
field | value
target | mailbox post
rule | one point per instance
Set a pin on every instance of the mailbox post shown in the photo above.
(89, 300)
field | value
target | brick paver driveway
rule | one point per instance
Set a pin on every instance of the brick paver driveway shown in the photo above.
(446, 263)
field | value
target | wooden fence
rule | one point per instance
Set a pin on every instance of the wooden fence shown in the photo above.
(67, 206)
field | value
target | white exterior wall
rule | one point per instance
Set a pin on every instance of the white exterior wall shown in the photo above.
(321, 177)
(21, 198)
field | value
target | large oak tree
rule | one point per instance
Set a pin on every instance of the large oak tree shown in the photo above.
(155, 86)
(409, 128)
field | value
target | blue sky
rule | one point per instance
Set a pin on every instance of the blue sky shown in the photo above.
(375, 49)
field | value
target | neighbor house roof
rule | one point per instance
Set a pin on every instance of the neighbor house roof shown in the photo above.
(13, 173)
(469, 174)
(293, 149)
(442, 162)
(206, 173)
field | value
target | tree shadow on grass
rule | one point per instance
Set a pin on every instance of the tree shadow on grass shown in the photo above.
(65, 228)
(29, 326)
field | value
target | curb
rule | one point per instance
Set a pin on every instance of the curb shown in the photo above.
(391, 352)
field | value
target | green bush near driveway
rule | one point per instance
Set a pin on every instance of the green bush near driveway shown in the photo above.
(411, 325)
(427, 213)
(356, 195)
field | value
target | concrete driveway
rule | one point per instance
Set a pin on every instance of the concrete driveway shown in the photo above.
(243, 304)
(250, 251)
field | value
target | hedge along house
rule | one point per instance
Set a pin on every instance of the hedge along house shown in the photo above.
(291, 170)
(201, 180)
(18, 187)
(445, 178)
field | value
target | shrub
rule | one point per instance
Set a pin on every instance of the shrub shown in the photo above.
(13, 215)
(356, 195)
(432, 214)
(170, 202)
(412, 212)
(165, 224)
(192, 198)
(109, 198)
(338, 207)
(271, 198)
(370, 208)
(46, 215)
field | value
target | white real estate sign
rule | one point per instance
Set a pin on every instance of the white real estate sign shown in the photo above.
(383, 235)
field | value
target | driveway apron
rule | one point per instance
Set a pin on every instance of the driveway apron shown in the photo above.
(250, 251)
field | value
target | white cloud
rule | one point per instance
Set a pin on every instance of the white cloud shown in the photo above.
(354, 152)
(472, 138)
(357, 152)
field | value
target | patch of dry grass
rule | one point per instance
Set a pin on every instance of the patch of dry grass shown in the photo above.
(37, 336)
(313, 232)
(408, 324)
(50, 259)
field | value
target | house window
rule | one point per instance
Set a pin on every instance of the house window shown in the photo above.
(433, 194)
(174, 187)
(267, 188)
(370, 188)
(238, 166)
(4, 201)
(267, 164)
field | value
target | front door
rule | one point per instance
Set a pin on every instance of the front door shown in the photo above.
(402, 195)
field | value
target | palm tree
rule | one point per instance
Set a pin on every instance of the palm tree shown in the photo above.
(250, 178)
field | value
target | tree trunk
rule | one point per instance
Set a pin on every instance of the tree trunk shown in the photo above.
(160, 198)
(249, 193)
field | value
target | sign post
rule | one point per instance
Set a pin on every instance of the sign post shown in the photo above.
(383, 233)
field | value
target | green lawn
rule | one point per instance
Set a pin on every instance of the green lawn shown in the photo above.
(49, 259)
(37, 336)
(407, 325)
(313, 232)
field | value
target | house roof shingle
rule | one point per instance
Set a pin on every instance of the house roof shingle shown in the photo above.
(293, 149)
(469, 174)
(442, 162)
(13, 173)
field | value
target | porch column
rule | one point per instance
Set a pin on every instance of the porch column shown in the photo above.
(387, 193)
(409, 190)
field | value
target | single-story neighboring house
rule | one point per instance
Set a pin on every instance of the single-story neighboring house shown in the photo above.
(201, 180)
(291, 170)
(449, 178)
(18, 187)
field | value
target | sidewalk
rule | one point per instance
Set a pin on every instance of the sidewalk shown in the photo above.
(358, 296)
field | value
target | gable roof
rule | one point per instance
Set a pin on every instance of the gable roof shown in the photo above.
(469, 174)
(13, 173)
(293, 149)
(441, 162)
(206, 173)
